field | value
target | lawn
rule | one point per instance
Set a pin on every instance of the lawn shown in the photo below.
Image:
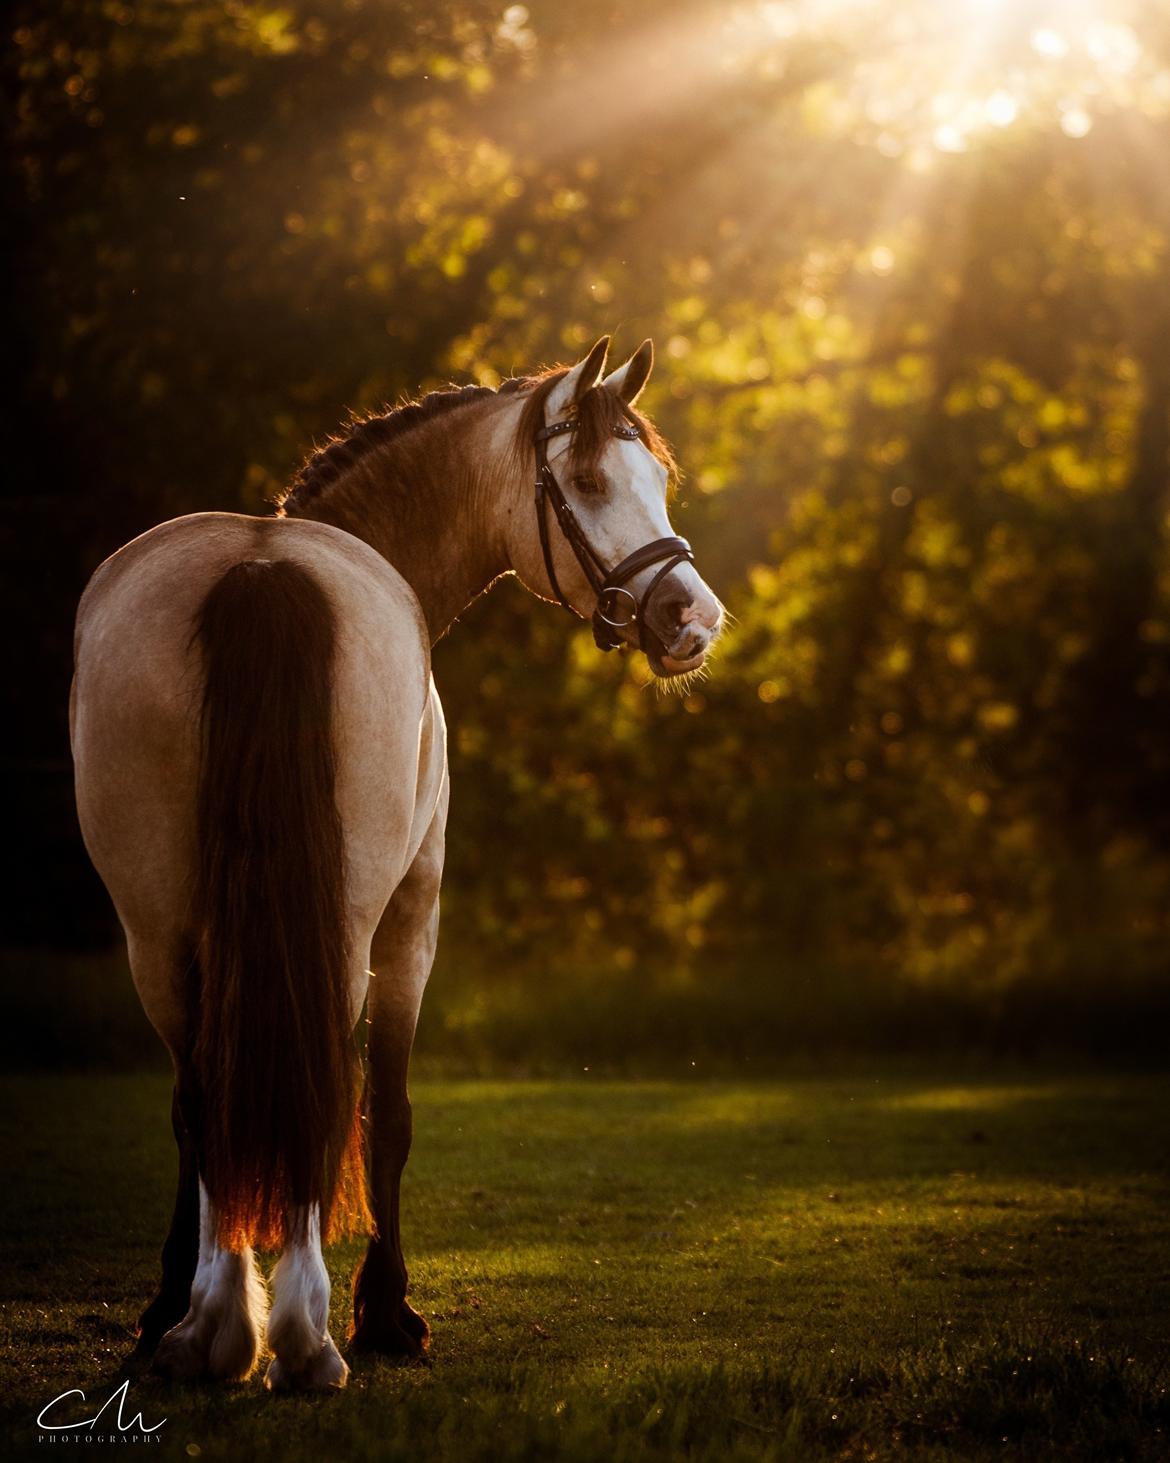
(867, 1268)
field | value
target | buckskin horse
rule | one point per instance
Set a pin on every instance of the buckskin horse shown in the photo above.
(262, 784)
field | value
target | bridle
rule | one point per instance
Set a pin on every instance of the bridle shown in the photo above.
(618, 606)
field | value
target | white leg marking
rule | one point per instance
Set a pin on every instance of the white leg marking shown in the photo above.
(298, 1327)
(221, 1333)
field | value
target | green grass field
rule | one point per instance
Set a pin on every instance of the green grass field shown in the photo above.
(852, 1269)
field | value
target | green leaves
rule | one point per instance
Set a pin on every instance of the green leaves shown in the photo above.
(910, 321)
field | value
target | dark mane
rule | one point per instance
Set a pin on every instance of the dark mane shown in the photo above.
(598, 412)
(363, 435)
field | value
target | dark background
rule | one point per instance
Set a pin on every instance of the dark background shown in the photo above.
(907, 276)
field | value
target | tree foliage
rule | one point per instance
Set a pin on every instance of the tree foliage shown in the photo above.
(907, 271)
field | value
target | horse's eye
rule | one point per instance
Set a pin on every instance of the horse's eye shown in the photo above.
(586, 483)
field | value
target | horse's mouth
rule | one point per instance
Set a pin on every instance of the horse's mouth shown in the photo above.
(665, 666)
(680, 667)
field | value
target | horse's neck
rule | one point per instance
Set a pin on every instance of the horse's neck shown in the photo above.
(434, 505)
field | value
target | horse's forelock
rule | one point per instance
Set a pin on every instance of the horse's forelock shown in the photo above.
(599, 411)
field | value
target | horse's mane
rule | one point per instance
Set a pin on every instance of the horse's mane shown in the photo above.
(598, 412)
(362, 435)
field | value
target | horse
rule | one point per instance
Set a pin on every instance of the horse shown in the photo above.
(261, 780)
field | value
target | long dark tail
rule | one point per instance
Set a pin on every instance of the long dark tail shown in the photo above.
(274, 1054)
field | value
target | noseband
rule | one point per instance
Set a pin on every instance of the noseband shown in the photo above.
(617, 605)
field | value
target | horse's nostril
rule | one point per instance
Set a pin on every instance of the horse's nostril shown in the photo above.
(687, 643)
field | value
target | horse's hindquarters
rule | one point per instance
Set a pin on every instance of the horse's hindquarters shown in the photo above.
(136, 740)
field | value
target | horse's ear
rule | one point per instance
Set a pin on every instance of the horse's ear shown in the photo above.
(584, 376)
(628, 380)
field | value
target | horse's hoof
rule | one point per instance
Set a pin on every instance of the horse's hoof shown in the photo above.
(414, 1325)
(187, 1354)
(181, 1355)
(234, 1351)
(325, 1372)
(405, 1335)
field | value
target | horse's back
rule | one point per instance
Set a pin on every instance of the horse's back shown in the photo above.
(165, 574)
(138, 693)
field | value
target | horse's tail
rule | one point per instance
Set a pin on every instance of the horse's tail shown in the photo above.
(274, 1054)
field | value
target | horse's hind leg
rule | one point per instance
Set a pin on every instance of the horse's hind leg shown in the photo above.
(180, 1253)
(159, 963)
(304, 1356)
(221, 1333)
(404, 948)
(384, 1321)
(208, 1313)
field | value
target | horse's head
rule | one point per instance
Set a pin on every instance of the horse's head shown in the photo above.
(601, 542)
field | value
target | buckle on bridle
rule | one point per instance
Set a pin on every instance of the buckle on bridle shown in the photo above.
(607, 599)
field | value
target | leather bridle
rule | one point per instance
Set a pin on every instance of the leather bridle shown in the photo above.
(618, 606)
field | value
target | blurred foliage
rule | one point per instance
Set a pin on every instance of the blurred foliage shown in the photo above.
(906, 267)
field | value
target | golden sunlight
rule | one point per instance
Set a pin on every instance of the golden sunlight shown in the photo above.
(942, 78)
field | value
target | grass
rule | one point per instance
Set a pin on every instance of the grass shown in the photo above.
(807, 1269)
